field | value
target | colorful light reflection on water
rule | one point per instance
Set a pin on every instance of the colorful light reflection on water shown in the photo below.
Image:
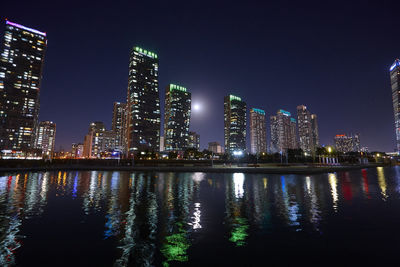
(144, 219)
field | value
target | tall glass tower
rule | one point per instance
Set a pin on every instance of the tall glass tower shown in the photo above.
(234, 124)
(395, 81)
(143, 102)
(21, 64)
(177, 118)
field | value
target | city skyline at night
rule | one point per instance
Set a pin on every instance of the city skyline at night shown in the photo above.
(209, 68)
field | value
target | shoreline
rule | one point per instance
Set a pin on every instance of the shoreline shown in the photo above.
(208, 169)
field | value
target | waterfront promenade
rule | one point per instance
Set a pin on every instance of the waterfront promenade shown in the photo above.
(190, 167)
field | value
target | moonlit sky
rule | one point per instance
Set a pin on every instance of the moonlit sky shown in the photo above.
(332, 56)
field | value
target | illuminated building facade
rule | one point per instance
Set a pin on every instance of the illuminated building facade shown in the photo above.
(314, 126)
(234, 124)
(292, 138)
(45, 138)
(283, 132)
(258, 131)
(215, 147)
(99, 141)
(77, 151)
(395, 83)
(21, 64)
(308, 129)
(177, 118)
(162, 147)
(118, 125)
(194, 140)
(143, 102)
(347, 143)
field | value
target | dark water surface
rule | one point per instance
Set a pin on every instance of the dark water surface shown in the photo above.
(93, 218)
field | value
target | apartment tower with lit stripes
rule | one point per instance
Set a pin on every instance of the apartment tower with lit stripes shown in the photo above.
(395, 83)
(176, 118)
(258, 131)
(234, 124)
(143, 103)
(21, 65)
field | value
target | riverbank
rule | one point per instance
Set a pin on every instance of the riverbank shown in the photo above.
(272, 169)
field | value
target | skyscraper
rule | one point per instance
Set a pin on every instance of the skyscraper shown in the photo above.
(395, 82)
(347, 143)
(45, 138)
(292, 138)
(283, 132)
(314, 126)
(194, 140)
(119, 124)
(308, 129)
(143, 102)
(274, 146)
(258, 131)
(177, 118)
(234, 124)
(21, 65)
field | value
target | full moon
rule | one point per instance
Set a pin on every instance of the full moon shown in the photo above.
(196, 107)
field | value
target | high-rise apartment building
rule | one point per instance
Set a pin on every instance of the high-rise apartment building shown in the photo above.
(314, 126)
(21, 64)
(98, 141)
(258, 131)
(292, 138)
(347, 143)
(177, 118)
(283, 132)
(194, 140)
(143, 102)
(395, 83)
(45, 138)
(234, 124)
(308, 129)
(119, 125)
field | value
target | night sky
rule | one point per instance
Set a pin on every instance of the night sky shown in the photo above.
(332, 56)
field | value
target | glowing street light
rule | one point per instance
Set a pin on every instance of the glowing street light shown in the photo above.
(238, 153)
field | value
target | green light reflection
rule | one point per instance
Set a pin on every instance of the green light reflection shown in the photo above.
(175, 248)
(239, 232)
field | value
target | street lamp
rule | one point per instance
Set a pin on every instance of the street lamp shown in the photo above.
(238, 154)
(329, 153)
(377, 156)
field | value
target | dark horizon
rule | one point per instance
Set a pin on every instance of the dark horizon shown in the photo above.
(334, 59)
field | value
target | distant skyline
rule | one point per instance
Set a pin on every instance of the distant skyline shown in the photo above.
(333, 58)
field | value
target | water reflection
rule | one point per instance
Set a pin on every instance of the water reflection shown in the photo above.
(156, 218)
(365, 183)
(382, 182)
(314, 209)
(333, 184)
(235, 206)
